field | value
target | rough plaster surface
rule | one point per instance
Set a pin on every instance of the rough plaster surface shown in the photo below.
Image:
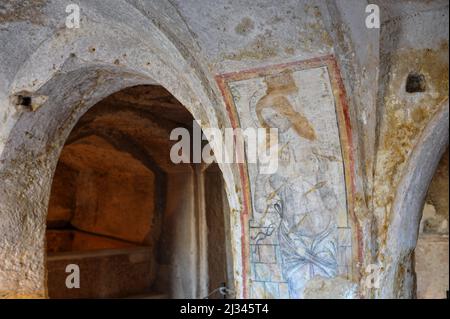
(113, 273)
(182, 45)
(334, 288)
(431, 266)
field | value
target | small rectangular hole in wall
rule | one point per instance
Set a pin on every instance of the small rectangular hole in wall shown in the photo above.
(415, 83)
(24, 100)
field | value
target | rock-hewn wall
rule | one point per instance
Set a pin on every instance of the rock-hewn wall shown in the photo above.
(431, 254)
(394, 83)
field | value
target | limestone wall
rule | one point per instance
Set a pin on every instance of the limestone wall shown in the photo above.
(362, 145)
(431, 254)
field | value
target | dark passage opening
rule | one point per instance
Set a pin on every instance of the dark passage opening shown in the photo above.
(127, 216)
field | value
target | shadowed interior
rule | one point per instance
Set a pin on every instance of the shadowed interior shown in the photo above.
(120, 207)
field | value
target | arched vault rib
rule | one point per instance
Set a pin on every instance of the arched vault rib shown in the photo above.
(36, 138)
(398, 277)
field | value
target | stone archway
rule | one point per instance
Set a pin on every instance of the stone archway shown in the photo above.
(135, 223)
(398, 279)
(63, 87)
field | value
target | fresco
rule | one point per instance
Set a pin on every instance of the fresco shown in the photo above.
(299, 223)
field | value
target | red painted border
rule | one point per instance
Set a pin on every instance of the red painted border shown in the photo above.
(346, 142)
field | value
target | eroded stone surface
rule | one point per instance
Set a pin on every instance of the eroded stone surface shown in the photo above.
(334, 288)
(183, 45)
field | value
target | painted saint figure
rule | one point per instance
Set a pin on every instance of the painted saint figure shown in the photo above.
(298, 193)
